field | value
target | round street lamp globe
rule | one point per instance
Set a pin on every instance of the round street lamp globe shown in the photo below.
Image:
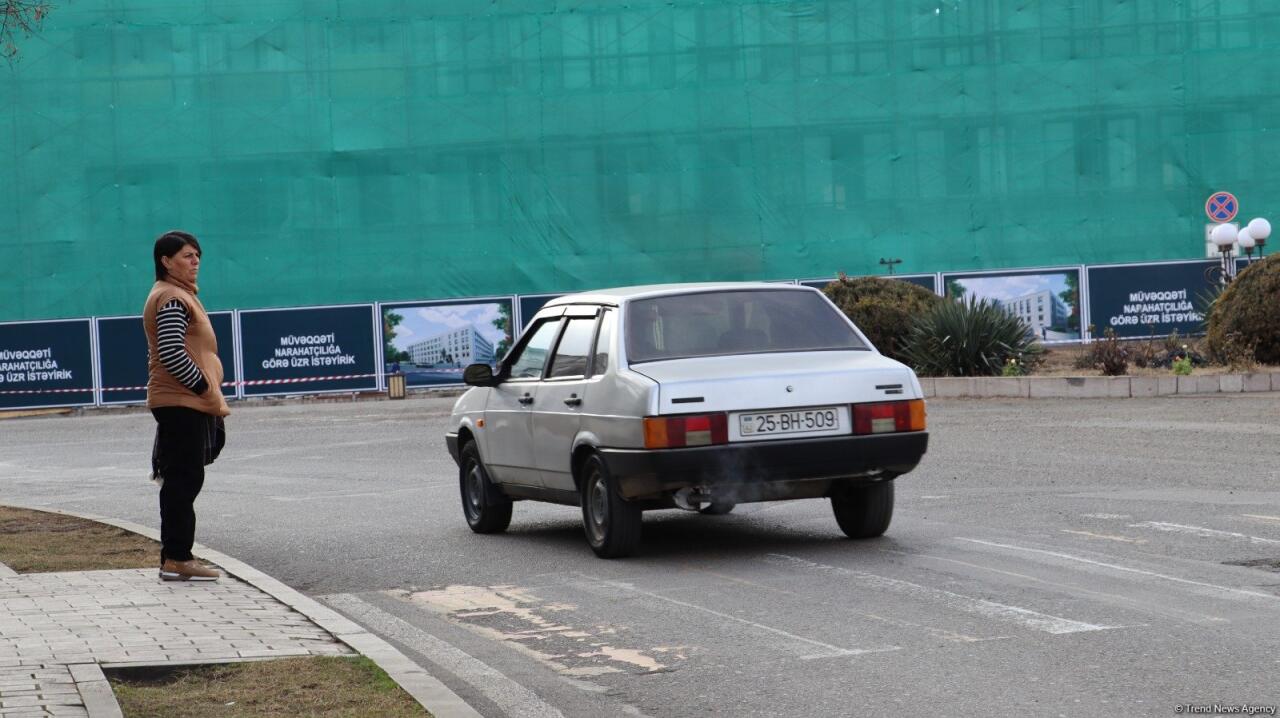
(1245, 238)
(1259, 229)
(1224, 235)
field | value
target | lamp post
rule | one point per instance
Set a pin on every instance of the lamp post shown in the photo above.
(1224, 237)
(890, 263)
(1259, 229)
(1246, 242)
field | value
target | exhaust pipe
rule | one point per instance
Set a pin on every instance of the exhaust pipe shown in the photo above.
(691, 498)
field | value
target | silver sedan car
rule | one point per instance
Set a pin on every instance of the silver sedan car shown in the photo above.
(689, 396)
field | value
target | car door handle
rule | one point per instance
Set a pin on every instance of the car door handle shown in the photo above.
(573, 400)
(526, 399)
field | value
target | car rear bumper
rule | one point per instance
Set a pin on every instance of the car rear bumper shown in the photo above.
(648, 472)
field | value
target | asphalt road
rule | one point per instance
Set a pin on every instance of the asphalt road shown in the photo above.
(1075, 558)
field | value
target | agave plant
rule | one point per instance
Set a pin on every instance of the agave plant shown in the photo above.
(973, 337)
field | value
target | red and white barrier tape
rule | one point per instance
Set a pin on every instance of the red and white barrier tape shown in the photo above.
(45, 391)
(261, 382)
(253, 382)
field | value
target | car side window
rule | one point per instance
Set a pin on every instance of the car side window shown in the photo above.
(528, 363)
(575, 344)
(604, 339)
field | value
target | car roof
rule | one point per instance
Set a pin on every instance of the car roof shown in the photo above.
(620, 295)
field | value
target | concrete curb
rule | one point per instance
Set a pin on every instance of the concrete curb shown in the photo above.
(416, 681)
(448, 392)
(1096, 387)
(95, 692)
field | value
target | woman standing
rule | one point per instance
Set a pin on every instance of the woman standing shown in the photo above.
(184, 393)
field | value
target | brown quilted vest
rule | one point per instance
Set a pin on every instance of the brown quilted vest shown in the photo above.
(162, 388)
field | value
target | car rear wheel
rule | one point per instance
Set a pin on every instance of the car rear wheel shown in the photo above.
(612, 523)
(717, 508)
(487, 510)
(864, 511)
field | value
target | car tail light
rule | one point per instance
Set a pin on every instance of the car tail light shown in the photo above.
(888, 417)
(668, 432)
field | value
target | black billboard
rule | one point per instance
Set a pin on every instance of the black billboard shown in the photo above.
(46, 364)
(1139, 300)
(308, 350)
(122, 357)
(530, 304)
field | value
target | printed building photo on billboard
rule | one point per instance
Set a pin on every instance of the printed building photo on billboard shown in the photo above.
(432, 342)
(1048, 302)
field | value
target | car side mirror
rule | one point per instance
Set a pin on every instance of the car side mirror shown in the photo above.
(479, 375)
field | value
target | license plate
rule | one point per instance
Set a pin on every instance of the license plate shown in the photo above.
(812, 421)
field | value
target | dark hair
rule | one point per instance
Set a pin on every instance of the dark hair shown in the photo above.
(169, 244)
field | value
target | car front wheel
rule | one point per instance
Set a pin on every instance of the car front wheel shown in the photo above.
(487, 510)
(612, 523)
(864, 511)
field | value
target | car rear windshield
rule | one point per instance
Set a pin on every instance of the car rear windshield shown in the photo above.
(749, 321)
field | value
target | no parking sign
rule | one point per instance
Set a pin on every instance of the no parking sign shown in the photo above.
(1221, 207)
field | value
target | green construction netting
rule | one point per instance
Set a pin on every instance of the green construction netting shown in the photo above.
(331, 151)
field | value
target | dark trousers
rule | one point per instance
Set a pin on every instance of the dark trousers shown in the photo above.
(180, 451)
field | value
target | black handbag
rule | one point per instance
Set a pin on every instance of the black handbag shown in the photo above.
(215, 440)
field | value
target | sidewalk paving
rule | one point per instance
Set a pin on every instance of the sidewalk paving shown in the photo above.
(58, 630)
(52, 621)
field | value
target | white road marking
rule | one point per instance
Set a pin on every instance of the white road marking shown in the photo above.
(1262, 517)
(1108, 537)
(830, 650)
(938, 632)
(1107, 516)
(1200, 531)
(1138, 604)
(990, 609)
(1127, 569)
(514, 699)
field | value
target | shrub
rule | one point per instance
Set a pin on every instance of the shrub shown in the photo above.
(1182, 365)
(884, 309)
(1108, 355)
(1235, 353)
(1247, 314)
(1145, 356)
(970, 338)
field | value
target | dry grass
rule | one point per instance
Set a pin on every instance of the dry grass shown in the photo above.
(1060, 361)
(320, 686)
(40, 542)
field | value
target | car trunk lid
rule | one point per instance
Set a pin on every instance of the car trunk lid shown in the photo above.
(781, 380)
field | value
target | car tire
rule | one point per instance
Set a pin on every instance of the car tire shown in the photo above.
(612, 523)
(487, 509)
(864, 511)
(717, 508)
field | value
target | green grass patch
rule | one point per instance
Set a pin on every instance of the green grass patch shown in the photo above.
(325, 687)
(41, 542)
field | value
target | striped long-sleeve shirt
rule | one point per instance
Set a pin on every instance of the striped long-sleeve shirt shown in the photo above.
(171, 332)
